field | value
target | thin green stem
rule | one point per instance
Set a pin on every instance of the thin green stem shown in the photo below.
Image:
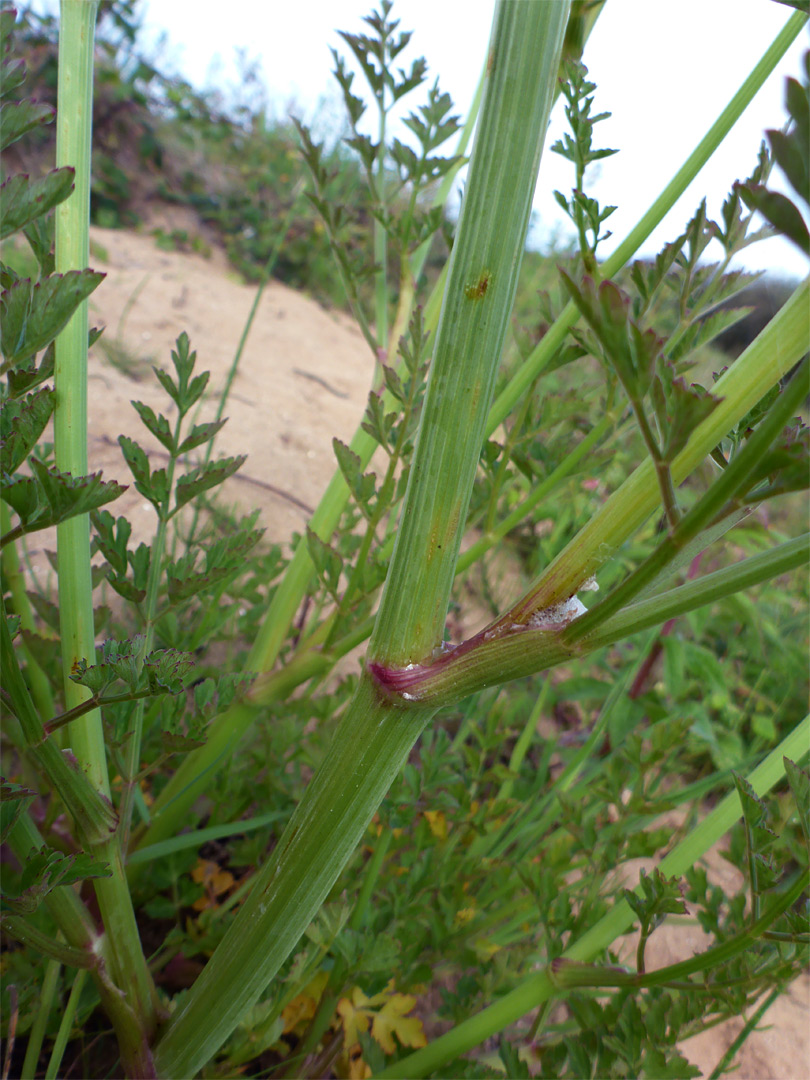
(73, 147)
(73, 138)
(731, 482)
(65, 1026)
(724, 1064)
(25, 932)
(132, 752)
(555, 336)
(663, 473)
(381, 240)
(370, 879)
(524, 741)
(63, 719)
(36, 1035)
(567, 974)
(512, 436)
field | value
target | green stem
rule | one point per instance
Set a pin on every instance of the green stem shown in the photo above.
(25, 932)
(663, 474)
(65, 1026)
(132, 753)
(63, 719)
(36, 1035)
(489, 659)
(381, 241)
(371, 746)
(375, 737)
(199, 767)
(477, 305)
(512, 437)
(370, 879)
(724, 1064)
(705, 590)
(524, 741)
(73, 139)
(73, 147)
(566, 974)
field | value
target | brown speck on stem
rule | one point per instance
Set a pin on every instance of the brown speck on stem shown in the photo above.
(477, 290)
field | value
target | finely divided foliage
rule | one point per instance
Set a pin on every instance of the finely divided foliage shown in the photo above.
(324, 910)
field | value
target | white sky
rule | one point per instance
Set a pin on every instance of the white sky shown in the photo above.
(665, 69)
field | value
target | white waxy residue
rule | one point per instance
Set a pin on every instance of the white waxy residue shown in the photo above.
(558, 615)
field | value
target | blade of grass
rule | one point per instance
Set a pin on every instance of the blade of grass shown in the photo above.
(202, 836)
(65, 1026)
(37, 1032)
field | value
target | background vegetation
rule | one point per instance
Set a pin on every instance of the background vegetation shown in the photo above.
(495, 847)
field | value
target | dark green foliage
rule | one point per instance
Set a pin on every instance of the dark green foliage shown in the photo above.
(49, 497)
(112, 537)
(22, 421)
(46, 870)
(22, 200)
(14, 799)
(18, 118)
(124, 661)
(223, 560)
(328, 563)
(791, 151)
(34, 313)
(362, 486)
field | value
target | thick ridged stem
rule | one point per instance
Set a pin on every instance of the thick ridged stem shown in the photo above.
(199, 767)
(375, 736)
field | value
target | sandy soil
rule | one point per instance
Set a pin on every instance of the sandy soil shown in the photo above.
(304, 377)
